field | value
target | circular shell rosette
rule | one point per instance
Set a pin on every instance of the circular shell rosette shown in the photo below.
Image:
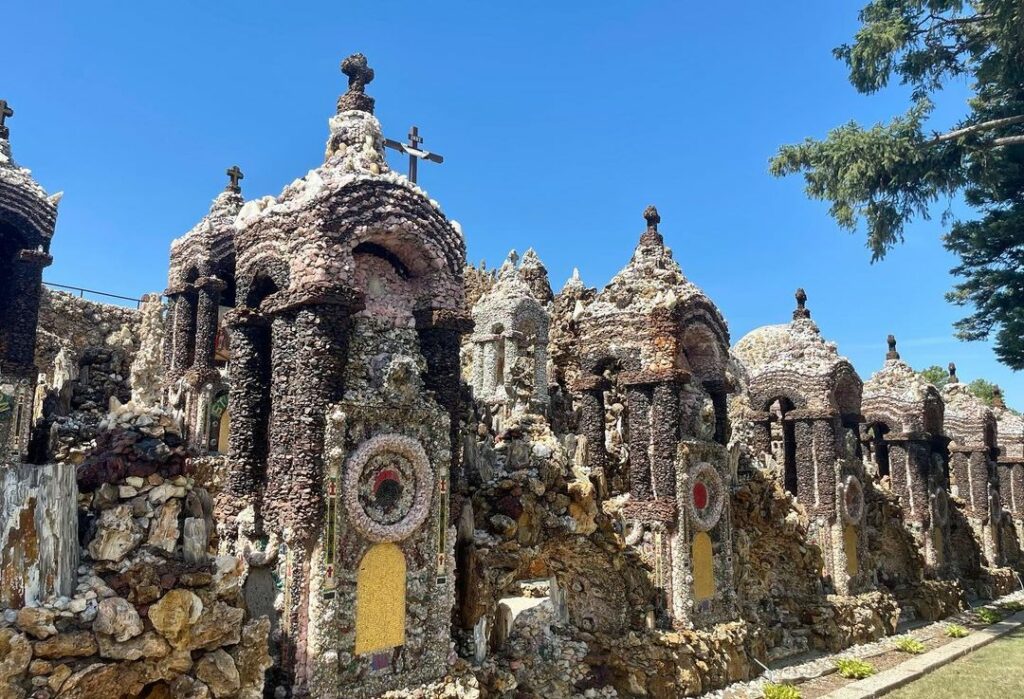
(705, 495)
(852, 504)
(388, 486)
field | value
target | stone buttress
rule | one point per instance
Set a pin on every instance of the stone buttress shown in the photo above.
(804, 407)
(345, 399)
(904, 446)
(652, 343)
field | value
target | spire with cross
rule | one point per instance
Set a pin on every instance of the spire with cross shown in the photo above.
(412, 148)
(801, 312)
(952, 373)
(234, 174)
(360, 74)
(5, 111)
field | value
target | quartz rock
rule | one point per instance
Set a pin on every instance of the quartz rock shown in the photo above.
(174, 614)
(117, 618)
(36, 622)
(217, 669)
(117, 534)
(163, 532)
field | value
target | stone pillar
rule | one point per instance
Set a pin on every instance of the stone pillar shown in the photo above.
(207, 310)
(664, 437)
(440, 332)
(816, 453)
(591, 390)
(249, 400)
(1017, 488)
(310, 349)
(478, 368)
(169, 321)
(20, 326)
(183, 331)
(638, 404)
(489, 368)
(540, 373)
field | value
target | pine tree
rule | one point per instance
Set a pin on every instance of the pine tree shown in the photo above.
(890, 174)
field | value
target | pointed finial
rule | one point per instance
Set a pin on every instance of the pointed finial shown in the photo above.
(360, 74)
(5, 111)
(652, 217)
(651, 236)
(892, 353)
(952, 373)
(234, 174)
(997, 398)
(801, 311)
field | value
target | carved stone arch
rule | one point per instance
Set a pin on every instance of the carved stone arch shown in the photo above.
(266, 276)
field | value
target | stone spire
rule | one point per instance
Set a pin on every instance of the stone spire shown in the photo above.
(651, 236)
(360, 74)
(997, 398)
(892, 353)
(801, 312)
(952, 373)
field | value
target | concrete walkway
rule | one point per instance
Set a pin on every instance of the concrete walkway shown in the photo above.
(917, 667)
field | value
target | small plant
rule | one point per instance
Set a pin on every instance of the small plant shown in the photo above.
(854, 668)
(956, 631)
(1012, 607)
(989, 616)
(909, 644)
(780, 691)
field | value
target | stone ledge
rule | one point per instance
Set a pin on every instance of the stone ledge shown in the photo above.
(885, 682)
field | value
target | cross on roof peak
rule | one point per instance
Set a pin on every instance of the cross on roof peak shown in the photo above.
(5, 111)
(892, 353)
(801, 305)
(234, 174)
(413, 150)
(360, 74)
(652, 217)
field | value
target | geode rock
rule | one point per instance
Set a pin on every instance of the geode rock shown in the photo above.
(117, 618)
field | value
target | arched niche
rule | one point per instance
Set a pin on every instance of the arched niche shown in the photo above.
(380, 600)
(783, 440)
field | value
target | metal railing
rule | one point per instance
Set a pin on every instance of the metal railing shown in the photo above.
(82, 292)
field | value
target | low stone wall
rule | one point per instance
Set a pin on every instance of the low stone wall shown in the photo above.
(38, 533)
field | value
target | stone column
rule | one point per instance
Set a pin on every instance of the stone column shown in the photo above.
(816, 453)
(20, 326)
(183, 331)
(310, 349)
(664, 437)
(249, 400)
(478, 368)
(591, 390)
(638, 404)
(540, 373)
(207, 310)
(169, 321)
(489, 368)
(440, 332)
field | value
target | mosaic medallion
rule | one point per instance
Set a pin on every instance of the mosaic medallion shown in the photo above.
(852, 500)
(388, 486)
(706, 495)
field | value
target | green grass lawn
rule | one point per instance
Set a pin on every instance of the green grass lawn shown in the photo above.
(990, 673)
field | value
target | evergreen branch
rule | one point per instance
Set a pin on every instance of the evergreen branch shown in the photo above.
(983, 126)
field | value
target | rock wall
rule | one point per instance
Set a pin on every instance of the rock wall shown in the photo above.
(73, 324)
(154, 612)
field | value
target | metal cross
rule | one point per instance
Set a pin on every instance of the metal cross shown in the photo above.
(5, 111)
(235, 174)
(415, 152)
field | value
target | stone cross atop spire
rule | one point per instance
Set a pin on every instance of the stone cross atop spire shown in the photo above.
(801, 312)
(360, 74)
(952, 373)
(234, 174)
(892, 353)
(5, 111)
(651, 236)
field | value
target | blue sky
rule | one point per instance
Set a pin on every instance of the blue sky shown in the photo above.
(559, 123)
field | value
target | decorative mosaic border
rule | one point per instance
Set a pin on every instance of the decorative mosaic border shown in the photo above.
(413, 451)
